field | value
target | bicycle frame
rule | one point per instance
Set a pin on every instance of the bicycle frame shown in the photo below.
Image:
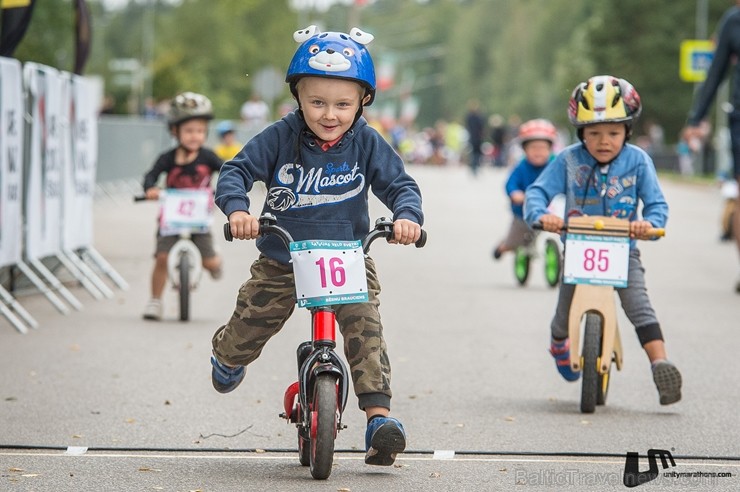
(316, 359)
(184, 246)
(184, 261)
(598, 299)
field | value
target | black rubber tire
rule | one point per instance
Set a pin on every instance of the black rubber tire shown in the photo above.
(590, 386)
(521, 266)
(304, 448)
(553, 250)
(325, 406)
(184, 291)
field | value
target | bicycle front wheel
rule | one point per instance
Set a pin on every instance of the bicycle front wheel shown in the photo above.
(521, 265)
(591, 385)
(184, 267)
(553, 262)
(323, 425)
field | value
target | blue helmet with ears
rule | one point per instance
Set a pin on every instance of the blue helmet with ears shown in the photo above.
(334, 55)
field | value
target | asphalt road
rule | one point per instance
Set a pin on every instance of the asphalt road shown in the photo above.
(101, 400)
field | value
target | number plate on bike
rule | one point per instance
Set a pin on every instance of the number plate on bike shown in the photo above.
(185, 209)
(596, 260)
(328, 272)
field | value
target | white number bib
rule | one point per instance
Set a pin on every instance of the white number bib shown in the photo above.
(328, 272)
(185, 209)
(596, 260)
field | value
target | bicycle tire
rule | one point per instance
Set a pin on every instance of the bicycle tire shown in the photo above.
(521, 265)
(553, 262)
(304, 447)
(590, 386)
(184, 290)
(324, 417)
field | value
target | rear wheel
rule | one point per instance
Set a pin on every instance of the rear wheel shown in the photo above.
(521, 265)
(184, 267)
(591, 384)
(323, 425)
(553, 262)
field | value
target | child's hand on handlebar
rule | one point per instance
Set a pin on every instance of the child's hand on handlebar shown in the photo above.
(243, 225)
(405, 232)
(152, 193)
(641, 229)
(551, 222)
(517, 197)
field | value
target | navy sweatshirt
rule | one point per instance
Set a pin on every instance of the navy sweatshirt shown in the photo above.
(317, 194)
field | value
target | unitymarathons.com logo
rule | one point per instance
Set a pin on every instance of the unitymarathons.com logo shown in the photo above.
(632, 474)
(634, 477)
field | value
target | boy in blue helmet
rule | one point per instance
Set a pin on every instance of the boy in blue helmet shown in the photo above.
(319, 163)
(605, 175)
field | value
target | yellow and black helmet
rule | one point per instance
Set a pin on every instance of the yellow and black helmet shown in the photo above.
(604, 99)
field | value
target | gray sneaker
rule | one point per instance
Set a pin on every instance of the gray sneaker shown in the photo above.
(668, 381)
(153, 310)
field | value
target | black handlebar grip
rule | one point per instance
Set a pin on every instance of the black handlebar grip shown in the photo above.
(537, 226)
(227, 232)
(139, 198)
(422, 239)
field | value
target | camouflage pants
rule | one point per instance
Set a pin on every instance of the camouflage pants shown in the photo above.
(266, 301)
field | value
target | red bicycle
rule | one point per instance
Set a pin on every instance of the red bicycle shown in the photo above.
(315, 403)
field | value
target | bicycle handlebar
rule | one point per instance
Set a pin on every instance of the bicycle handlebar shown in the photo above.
(599, 226)
(383, 228)
(140, 198)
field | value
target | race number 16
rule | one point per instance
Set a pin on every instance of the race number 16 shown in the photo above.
(336, 273)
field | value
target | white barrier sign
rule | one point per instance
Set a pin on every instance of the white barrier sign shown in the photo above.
(11, 161)
(44, 185)
(80, 162)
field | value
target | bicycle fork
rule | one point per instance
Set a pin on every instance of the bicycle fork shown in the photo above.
(314, 358)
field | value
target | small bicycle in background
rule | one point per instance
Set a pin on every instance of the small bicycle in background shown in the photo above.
(551, 254)
(184, 212)
(326, 273)
(596, 261)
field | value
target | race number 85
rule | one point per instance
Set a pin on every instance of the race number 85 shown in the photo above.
(595, 259)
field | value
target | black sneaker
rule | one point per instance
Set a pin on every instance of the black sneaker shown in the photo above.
(225, 378)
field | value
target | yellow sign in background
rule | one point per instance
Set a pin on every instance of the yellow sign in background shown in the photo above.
(695, 58)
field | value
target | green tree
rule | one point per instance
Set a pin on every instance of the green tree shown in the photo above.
(517, 57)
(49, 39)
